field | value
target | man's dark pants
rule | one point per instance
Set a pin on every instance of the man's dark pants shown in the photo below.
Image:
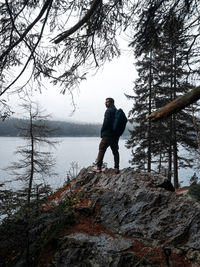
(107, 141)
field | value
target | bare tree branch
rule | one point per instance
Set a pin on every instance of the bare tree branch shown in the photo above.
(78, 25)
(176, 105)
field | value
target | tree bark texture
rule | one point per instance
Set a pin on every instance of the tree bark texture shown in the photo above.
(176, 105)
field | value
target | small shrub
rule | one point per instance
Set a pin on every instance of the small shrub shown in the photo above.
(194, 179)
(194, 191)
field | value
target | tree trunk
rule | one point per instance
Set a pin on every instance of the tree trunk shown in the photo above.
(27, 239)
(170, 163)
(32, 159)
(176, 185)
(170, 123)
(176, 105)
(160, 161)
(149, 122)
(175, 152)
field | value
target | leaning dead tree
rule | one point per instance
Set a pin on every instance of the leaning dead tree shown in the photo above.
(176, 105)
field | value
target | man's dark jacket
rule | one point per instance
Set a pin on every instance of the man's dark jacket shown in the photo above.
(107, 127)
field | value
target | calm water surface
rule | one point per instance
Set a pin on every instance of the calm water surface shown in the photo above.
(82, 150)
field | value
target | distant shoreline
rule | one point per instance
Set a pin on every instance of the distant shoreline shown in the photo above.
(60, 136)
(10, 128)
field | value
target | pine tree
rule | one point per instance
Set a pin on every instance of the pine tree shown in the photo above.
(162, 80)
(173, 83)
(141, 139)
(32, 164)
(33, 161)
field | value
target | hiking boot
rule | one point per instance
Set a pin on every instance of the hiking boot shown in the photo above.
(117, 170)
(97, 170)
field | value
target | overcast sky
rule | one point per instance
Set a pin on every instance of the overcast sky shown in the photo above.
(115, 79)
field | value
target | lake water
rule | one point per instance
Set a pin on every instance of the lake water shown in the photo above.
(82, 150)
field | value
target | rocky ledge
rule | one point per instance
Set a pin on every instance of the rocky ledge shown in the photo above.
(127, 219)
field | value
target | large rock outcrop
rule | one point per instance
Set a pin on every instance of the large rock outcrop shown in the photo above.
(128, 219)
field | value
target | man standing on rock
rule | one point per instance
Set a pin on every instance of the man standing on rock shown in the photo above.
(108, 138)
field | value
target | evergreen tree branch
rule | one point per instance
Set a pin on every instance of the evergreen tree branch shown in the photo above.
(78, 25)
(32, 51)
(10, 48)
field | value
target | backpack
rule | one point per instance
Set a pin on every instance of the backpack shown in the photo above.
(119, 123)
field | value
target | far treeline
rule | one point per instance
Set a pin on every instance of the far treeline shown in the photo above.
(11, 127)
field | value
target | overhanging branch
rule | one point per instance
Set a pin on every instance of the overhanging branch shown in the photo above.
(7, 51)
(32, 50)
(59, 38)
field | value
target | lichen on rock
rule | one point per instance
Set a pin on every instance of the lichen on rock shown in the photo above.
(137, 206)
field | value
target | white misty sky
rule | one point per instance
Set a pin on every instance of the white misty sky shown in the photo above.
(115, 79)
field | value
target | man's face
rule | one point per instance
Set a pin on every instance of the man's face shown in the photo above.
(107, 103)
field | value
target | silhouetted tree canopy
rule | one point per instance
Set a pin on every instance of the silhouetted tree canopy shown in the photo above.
(63, 40)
